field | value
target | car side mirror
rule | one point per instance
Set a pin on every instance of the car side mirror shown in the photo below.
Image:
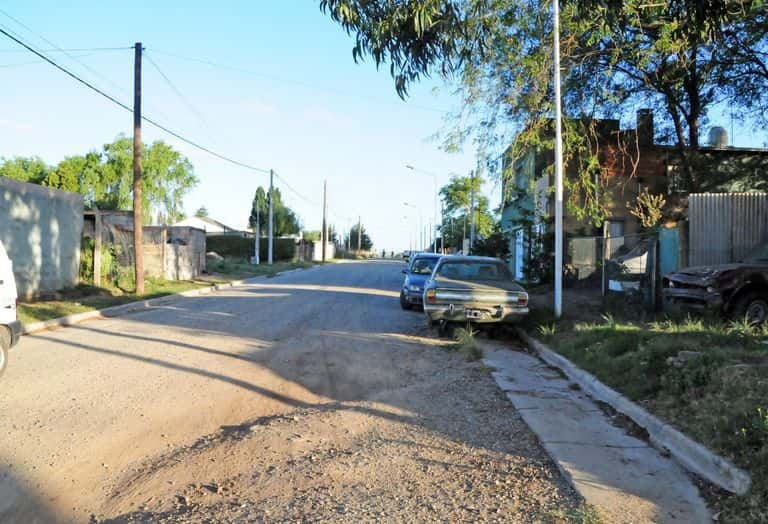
(405, 271)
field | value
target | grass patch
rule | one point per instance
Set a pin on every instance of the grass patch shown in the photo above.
(467, 344)
(236, 269)
(707, 378)
(88, 298)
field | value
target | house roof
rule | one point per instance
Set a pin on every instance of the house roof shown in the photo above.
(208, 220)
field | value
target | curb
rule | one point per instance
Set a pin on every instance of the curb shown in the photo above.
(689, 453)
(123, 309)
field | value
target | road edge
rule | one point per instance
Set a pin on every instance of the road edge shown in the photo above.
(692, 455)
(124, 309)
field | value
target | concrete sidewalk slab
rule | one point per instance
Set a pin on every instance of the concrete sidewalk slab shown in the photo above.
(623, 477)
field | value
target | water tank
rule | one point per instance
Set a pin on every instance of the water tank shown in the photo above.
(718, 137)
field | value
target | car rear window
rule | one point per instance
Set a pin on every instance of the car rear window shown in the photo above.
(423, 266)
(474, 271)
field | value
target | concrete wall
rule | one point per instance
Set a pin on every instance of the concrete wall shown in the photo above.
(175, 252)
(41, 229)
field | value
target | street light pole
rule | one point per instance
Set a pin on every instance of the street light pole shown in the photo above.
(433, 234)
(558, 169)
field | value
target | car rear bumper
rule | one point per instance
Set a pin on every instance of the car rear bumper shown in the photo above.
(414, 297)
(15, 329)
(477, 314)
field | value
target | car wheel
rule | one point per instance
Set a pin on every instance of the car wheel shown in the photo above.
(752, 307)
(404, 302)
(445, 329)
(5, 344)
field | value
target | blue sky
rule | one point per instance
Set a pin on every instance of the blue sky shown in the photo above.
(310, 112)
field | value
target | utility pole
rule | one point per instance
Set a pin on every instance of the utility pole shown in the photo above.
(472, 212)
(349, 235)
(558, 170)
(324, 235)
(271, 212)
(257, 247)
(138, 236)
(359, 235)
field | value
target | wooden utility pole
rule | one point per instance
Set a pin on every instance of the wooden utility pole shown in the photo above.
(324, 234)
(271, 212)
(359, 235)
(138, 236)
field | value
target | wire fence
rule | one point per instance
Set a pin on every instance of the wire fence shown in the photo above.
(623, 269)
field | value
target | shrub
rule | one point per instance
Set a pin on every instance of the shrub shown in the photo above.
(240, 247)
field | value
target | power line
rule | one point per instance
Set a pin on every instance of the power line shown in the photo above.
(178, 93)
(128, 108)
(59, 49)
(71, 50)
(37, 62)
(209, 63)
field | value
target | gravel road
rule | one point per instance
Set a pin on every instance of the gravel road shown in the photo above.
(306, 397)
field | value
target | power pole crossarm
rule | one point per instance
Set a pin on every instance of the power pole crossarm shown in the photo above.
(138, 237)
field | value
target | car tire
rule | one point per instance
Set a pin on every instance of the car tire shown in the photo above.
(751, 307)
(404, 304)
(5, 345)
(445, 329)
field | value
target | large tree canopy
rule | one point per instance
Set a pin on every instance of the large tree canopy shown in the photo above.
(105, 178)
(456, 197)
(284, 219)
(679, 57)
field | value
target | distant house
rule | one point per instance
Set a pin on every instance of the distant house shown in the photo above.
(210, 226)
(632, 163)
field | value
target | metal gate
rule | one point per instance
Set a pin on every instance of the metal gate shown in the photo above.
(725, 227)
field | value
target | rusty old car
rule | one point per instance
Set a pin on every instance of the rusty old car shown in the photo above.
(738, 290)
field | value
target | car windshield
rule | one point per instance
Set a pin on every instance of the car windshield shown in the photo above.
(758, 255)
(423, 266)
(474, 271)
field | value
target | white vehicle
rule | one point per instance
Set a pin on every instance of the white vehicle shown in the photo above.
(10, 327)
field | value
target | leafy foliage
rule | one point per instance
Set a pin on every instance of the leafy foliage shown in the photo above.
(284, 219)
(679, 57)
(456, 197)
(105, 179)
(365, 241)
(648, 209)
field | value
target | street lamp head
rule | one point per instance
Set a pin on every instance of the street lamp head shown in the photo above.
(409, 166)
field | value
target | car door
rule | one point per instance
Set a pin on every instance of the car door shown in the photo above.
(7, 289)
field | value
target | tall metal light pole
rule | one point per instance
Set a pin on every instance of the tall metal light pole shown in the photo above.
(558, 169)
(434, 178)
(420, 235)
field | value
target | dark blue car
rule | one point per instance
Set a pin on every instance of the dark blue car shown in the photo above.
(418, 271)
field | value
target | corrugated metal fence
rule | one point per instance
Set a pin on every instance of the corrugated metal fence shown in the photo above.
(724, 227)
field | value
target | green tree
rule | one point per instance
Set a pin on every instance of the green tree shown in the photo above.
(456, 197)
(285, 221)
(679, 56)
(105, 179)
(32, 169)
(202, 212)
(365, 241)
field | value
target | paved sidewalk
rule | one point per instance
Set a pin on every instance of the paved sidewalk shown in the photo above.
(620, 475)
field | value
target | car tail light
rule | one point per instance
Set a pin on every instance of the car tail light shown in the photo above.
(431, 296)
(522, 299)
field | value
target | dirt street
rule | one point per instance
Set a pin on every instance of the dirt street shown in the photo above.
(306, 397)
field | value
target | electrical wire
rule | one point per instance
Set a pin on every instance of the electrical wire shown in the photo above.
(307, 85)
(72, 50)
(67, 53)
(178, 93)
(36, 62)
(128, 108)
